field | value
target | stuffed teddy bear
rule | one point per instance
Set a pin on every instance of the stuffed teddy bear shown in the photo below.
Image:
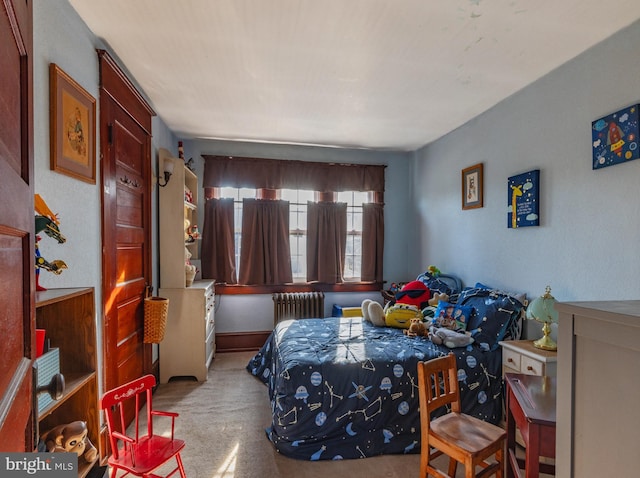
(416, 328)
(448, 337)
(70, 437)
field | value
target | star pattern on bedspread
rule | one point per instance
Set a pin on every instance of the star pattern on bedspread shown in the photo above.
(360, 391)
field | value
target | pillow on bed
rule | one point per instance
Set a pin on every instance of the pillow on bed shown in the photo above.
(493, 313)
(452, 316)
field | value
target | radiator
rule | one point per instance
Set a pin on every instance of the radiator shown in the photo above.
(297, 305)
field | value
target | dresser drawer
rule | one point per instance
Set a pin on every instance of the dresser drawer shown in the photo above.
(531, 366)
(511, 360)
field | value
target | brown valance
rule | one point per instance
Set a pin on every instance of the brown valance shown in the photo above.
(257, 173)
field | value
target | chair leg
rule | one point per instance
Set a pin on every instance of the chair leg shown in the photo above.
(179, 460)
(500, 459)
(453, 466)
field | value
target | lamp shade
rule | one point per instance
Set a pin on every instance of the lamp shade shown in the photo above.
(168, 166)
(543, 308)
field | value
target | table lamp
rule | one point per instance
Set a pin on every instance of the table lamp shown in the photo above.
(542, 309)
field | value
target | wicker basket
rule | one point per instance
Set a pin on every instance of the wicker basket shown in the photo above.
(156, 310)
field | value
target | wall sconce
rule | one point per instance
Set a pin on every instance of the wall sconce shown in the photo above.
(168, 171)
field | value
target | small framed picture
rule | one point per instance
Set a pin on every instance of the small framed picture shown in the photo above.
(472, 187)
(72, 127)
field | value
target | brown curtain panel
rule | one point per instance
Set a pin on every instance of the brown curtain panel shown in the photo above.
(218, 241)
(240, 172)
(372, 242)
(326, 241)
(265, 255)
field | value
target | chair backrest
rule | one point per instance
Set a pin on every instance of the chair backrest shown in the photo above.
(438, 382)
(118, 401)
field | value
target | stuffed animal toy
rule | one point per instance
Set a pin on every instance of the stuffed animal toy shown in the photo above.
(433, 270)
(71, 437)
(449, 338)
(414, 293)
(437, 297)
(400, 315)
(416, 328)
(373, 312)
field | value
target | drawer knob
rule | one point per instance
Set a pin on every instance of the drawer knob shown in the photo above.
(530, 368)
(510, 360)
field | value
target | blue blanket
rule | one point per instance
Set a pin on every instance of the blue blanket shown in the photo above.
(342, 388)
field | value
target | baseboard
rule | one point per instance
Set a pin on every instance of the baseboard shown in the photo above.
(240, 341)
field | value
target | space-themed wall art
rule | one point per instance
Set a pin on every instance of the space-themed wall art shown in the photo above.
(615, 138)
(523, 194)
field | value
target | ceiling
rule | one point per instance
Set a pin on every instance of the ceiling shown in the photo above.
(375, 74)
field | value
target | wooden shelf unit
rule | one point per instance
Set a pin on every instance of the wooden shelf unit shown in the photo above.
(68, 316)
(189, 344)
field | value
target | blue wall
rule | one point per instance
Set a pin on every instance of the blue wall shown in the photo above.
(586, 246)
(61, 37)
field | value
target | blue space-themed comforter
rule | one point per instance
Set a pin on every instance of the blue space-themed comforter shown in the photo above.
(343, 388)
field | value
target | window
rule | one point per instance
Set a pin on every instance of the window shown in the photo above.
(353, 256)
(347, 236)
(298, 229)
(298, 199)
(237, 194)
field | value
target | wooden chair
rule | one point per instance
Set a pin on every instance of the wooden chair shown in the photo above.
(461, 437)
(133, 453)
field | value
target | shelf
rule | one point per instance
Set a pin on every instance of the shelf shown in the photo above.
(68, 317)
(189, 205)
(73, 383)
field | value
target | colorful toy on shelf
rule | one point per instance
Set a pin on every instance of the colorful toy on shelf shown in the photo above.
(71, 438)
(46, 221)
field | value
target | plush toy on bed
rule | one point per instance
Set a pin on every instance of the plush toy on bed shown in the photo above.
(436, 298)
(373, 312)
(414, 293)
(448, 337)
(416, 328)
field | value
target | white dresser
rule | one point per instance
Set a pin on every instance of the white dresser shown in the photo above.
(189, 342)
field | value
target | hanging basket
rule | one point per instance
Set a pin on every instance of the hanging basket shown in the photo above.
(156, 310)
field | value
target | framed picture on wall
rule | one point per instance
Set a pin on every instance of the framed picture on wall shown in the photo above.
(615, 138)
(523, 193)
(472, 187)
(72, 127)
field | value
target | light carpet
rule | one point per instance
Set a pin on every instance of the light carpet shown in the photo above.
(223, 420)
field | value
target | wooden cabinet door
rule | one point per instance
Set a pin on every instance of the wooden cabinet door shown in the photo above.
(17, 336)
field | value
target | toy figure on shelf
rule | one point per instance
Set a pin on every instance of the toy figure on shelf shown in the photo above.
(48, 222)
(71, 438)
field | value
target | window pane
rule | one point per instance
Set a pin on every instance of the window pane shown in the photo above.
(228, 193)
(357, 219)
(345, 196)
(360, 197)
(246, 193)
(305, 196)
(290, 195)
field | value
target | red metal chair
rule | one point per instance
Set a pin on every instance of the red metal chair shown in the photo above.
(133, 453)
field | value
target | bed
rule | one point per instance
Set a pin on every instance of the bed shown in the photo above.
(342, 388)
